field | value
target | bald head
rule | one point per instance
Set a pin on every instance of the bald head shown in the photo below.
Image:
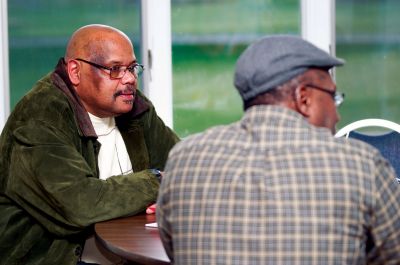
(89, 41)
(92, 53)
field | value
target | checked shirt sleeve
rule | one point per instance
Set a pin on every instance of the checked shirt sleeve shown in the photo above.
(385, 229)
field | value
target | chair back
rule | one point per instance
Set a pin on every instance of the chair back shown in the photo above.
(388, 142)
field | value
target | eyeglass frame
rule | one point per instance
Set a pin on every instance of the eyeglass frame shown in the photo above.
(338, 97)
(133, 66)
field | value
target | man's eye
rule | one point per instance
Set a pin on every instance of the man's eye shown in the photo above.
(115, 68)
(131, 68)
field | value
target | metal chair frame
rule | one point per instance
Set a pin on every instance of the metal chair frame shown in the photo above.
(345, 131)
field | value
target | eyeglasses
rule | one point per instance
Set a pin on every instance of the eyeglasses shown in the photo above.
(338, 97)
(117, 71)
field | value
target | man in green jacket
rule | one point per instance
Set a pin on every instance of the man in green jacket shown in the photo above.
(77, 127)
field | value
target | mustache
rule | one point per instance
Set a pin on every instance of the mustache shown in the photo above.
(128, 90)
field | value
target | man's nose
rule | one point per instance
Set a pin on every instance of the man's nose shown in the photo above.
(129, 78)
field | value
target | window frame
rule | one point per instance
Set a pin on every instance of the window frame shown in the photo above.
(321, 13)
(156, 51)
(4, 66)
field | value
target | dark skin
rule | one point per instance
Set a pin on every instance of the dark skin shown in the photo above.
(100, 94)
(318, 107)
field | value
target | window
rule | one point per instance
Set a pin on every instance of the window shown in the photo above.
(207, 37)
(39, 31)
(368, 38)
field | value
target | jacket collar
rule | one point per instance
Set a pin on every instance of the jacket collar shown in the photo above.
(61, 80)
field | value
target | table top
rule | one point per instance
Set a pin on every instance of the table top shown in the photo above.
(129, 238)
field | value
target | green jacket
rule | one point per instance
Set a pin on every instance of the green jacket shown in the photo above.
(50, 193)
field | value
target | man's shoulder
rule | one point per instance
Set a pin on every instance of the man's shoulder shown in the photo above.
(43, 90)
(43, 103)
(355, 147)
(220, 135)
(354, 153)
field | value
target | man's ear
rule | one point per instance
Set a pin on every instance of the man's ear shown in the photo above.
(73, 69)
(303, 100)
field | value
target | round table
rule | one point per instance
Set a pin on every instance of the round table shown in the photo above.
(129, 238)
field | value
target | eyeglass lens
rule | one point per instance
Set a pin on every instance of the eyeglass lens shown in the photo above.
(119, 71)
(338, 98)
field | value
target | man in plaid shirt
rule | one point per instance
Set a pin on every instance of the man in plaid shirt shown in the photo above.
(276, 187)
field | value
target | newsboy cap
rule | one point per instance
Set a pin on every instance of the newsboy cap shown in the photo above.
(274, 60)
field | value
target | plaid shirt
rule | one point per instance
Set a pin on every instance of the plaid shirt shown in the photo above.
(273, 189)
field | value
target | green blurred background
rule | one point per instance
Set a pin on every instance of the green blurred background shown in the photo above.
(208, 36)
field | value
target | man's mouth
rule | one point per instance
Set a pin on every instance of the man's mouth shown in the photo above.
(129, 95)
(126, 94)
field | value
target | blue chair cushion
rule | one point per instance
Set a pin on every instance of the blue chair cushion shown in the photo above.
(388, 144)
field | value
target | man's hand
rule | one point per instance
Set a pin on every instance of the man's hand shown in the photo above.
(151, 209)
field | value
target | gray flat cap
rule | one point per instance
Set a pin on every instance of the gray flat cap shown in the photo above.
(274, 60)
